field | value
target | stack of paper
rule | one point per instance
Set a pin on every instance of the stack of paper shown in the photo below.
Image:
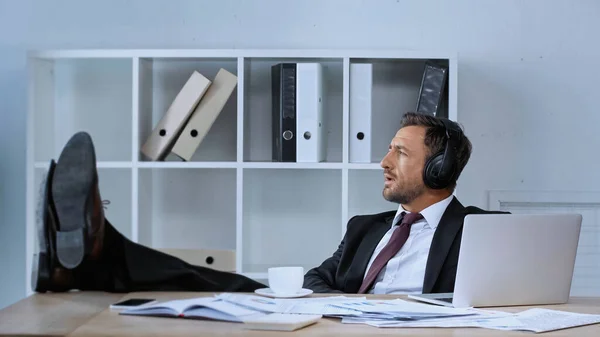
(534, 320)
(400, 309)
(327, 306)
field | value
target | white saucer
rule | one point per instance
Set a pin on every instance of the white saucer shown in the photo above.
(269, 293)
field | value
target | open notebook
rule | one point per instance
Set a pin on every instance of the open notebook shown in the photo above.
(203, 307)
(218, 309)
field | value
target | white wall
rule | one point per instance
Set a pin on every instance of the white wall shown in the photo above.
(528, 75)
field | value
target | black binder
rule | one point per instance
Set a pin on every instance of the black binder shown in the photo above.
(283, 91)
(433, 93)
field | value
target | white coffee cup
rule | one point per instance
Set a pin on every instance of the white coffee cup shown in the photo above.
(286, 280)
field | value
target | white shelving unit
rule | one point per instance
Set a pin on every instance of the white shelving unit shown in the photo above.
(230, 196)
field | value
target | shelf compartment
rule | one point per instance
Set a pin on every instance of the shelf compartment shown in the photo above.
(395, 86)
(290, 217)
(92, 95)
(161, 79)
(188, 208)
(257, 108)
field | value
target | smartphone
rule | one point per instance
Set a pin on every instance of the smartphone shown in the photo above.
(132, 303)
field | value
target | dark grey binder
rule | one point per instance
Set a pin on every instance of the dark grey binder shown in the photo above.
(283, 91)
(433, 93)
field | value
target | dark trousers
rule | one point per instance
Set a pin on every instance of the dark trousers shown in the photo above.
(128, 267)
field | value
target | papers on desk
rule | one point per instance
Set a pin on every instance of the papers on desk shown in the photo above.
(400, 309)
(534, 320)
(327, 306)
(290, 314)
(407, 314)
(542, 320)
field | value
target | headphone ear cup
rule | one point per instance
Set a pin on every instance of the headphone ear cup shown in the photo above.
(431, 171)
(441, 168)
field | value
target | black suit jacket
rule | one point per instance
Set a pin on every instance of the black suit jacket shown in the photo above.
(344, 271)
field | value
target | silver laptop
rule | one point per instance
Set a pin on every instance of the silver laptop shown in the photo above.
(513, 259)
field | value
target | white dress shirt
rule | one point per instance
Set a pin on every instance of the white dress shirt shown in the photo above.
(404, 272)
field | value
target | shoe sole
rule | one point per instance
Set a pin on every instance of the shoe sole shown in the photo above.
(74, 178)
(41, 272)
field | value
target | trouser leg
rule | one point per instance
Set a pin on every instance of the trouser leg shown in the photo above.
(128, 267)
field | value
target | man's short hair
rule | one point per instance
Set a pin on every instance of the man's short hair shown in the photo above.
(435, 139)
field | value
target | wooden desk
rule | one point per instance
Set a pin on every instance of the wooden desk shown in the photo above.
(87, 314)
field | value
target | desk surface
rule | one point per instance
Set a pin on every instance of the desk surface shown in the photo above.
(87, 314)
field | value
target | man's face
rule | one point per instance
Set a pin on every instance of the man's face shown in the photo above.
(403, 165)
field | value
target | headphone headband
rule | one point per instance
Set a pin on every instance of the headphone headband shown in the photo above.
(451, 127)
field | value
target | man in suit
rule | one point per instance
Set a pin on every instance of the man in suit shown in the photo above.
(414, 249)
(80, 249)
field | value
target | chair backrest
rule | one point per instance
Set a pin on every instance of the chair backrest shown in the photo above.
(223, 260)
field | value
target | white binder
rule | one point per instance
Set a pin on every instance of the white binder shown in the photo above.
(164, 134)
(361, 87)
(205, 114)
(310, 122)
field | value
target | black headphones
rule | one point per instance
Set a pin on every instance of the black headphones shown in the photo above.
(441, 169)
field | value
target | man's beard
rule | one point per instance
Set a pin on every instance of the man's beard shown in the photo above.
(405, 195)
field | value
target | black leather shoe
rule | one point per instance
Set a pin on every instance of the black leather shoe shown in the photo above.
(77, 203)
